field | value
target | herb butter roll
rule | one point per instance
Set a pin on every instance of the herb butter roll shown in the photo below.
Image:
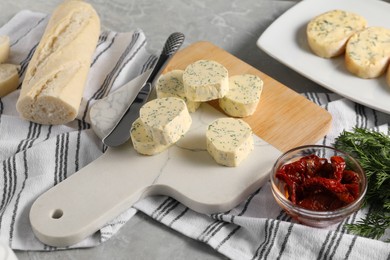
(143, 141)
(229, 141)
(171, 85)
(368, 52)
(56, 75)
(328, 33)
(243, 96)
(167, 119)
(205, 80)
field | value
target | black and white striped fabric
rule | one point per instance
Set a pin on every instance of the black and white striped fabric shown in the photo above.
(255, 229)
(36, 157)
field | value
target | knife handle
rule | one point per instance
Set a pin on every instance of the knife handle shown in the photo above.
(171, 46)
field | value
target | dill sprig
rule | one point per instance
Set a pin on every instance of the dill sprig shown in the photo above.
(372, 150)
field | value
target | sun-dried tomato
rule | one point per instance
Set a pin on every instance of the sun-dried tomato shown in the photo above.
(317, 184)
(334, 186)
(338, 164)
(350, 177)
(321, 202)
(313, 164)
(351, 181)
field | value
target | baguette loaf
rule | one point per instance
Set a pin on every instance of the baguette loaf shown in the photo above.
(55, 78)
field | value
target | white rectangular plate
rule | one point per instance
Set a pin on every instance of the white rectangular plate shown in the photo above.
(285, 40)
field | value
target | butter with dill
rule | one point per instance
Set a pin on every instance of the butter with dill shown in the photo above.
(328, 33)
(243, 96)
(205, 80)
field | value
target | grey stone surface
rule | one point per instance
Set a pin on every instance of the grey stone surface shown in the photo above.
(140, 238)
(233, 25)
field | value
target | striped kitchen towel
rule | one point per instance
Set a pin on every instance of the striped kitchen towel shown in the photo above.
(36, 157)
(255, 229)
(259, 229)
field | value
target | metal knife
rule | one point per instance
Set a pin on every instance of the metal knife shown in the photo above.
(121, 131)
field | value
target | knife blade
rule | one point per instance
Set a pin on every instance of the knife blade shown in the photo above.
(121, 131)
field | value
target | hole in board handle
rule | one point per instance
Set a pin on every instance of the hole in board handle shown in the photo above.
(57, 214)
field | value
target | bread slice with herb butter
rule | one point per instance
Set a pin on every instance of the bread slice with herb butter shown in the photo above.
(56, 75)
(243, 96)
(328, 33)
(368, 52)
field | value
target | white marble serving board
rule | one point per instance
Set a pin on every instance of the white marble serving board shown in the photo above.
(81, 204)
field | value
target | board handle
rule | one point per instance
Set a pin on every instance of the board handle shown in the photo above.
(87, 200)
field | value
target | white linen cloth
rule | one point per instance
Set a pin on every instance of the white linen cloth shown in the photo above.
(34, 157)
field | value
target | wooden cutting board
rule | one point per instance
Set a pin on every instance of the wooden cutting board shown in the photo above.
(88, 199)
(283, 118)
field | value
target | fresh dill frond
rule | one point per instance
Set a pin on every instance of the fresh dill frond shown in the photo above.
(372, 150)
(372, 226)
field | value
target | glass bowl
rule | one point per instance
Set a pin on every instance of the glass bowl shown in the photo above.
(308, 216)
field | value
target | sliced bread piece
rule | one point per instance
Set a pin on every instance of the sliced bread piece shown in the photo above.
(9, 78)
(4, 48)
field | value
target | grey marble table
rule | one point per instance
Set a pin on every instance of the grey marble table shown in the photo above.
(232, 25)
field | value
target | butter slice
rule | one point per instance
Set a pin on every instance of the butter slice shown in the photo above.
(143, 141)
(4, 48)
(243, 96)
(167, 119)
(171, 85)
(328, 33)
(9, 78)
(368, 52)
(229, 141)
(205, 80)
